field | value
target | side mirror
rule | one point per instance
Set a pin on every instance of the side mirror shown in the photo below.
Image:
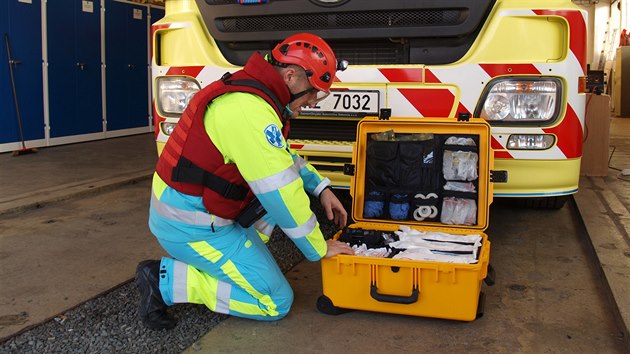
(342, 65)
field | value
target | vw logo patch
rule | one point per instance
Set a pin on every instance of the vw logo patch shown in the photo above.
(274, 136)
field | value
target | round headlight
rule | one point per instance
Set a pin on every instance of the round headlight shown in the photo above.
(497, 107)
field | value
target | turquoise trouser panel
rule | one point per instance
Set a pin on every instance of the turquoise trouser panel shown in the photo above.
(230, 270)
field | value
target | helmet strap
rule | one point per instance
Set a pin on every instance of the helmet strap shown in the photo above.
(287, 112)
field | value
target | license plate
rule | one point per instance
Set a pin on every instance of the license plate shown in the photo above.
(346, 103)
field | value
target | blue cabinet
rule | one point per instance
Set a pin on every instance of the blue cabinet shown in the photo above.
(127, 74)
(74, 67)
(22, 23)
(91, 79)
(156, 14)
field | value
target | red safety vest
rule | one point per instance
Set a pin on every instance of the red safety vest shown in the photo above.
(190, 162)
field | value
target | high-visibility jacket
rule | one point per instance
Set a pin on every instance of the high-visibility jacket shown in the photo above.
(190, 162)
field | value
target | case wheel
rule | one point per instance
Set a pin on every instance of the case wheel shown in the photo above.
(481, 305)
(491, 276)
(325, 305)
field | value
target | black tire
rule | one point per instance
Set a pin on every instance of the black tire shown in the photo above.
(481, 305)
(491, 276)
(325, 305)
(547, 203)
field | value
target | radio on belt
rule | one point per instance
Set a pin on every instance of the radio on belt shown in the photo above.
(252, 212)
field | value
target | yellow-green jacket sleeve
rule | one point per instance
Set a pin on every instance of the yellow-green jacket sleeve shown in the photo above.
(247, 131)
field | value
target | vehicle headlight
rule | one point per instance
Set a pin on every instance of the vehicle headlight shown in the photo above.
(167, 127)
(174, 93)
(521, 100)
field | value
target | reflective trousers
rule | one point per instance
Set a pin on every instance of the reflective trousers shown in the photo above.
(227, 268)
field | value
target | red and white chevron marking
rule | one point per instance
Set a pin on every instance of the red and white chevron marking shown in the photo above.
(449, 89)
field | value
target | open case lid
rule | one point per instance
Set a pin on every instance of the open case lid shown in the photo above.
(408, 129)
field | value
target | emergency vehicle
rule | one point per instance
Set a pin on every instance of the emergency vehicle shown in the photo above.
(520, 65)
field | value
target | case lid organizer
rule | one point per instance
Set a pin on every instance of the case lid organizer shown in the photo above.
(433, 173)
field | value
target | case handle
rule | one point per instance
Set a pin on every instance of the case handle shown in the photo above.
(396, 299)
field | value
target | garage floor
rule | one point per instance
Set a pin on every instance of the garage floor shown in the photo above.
(55, 174)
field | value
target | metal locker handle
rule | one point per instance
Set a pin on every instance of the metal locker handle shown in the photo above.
(81, 65)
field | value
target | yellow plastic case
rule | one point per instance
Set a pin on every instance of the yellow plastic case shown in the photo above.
(410, 287)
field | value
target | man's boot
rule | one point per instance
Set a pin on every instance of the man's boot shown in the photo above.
(152, 309)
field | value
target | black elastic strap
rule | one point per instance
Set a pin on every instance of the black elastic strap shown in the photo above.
(187, 172)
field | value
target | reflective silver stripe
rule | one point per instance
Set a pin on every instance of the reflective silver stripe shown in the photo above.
(300, 162)
(223, 297)
(264, 227)
(323, 184)
(189, 217)
(275, 181)
(302, 230)
(180, 282)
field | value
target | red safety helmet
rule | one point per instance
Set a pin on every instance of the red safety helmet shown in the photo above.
(311, 53)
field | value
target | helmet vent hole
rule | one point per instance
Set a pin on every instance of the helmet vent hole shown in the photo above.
(284, 49)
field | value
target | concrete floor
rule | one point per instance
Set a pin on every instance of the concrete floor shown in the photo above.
(59, 173)
(58, 207)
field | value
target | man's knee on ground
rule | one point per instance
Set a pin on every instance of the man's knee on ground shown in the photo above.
(282, 300)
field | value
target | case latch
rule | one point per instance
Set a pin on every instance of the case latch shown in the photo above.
(463, 116)
(384, 113)
(348, 169)
(498, 176)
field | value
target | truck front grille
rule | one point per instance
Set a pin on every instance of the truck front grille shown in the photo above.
(343, 20)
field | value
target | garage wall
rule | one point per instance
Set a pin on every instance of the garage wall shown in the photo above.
(81, 72)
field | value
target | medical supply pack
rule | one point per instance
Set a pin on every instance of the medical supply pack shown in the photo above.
(421, 190)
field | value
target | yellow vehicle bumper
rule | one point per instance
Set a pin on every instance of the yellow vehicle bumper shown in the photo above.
(538, 178)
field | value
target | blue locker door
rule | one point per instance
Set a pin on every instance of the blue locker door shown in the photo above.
(126, 65)
(74, 69)
(22, 23)
(156, 14)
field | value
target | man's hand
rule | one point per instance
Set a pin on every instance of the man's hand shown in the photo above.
(334, 208)
(336, 247)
